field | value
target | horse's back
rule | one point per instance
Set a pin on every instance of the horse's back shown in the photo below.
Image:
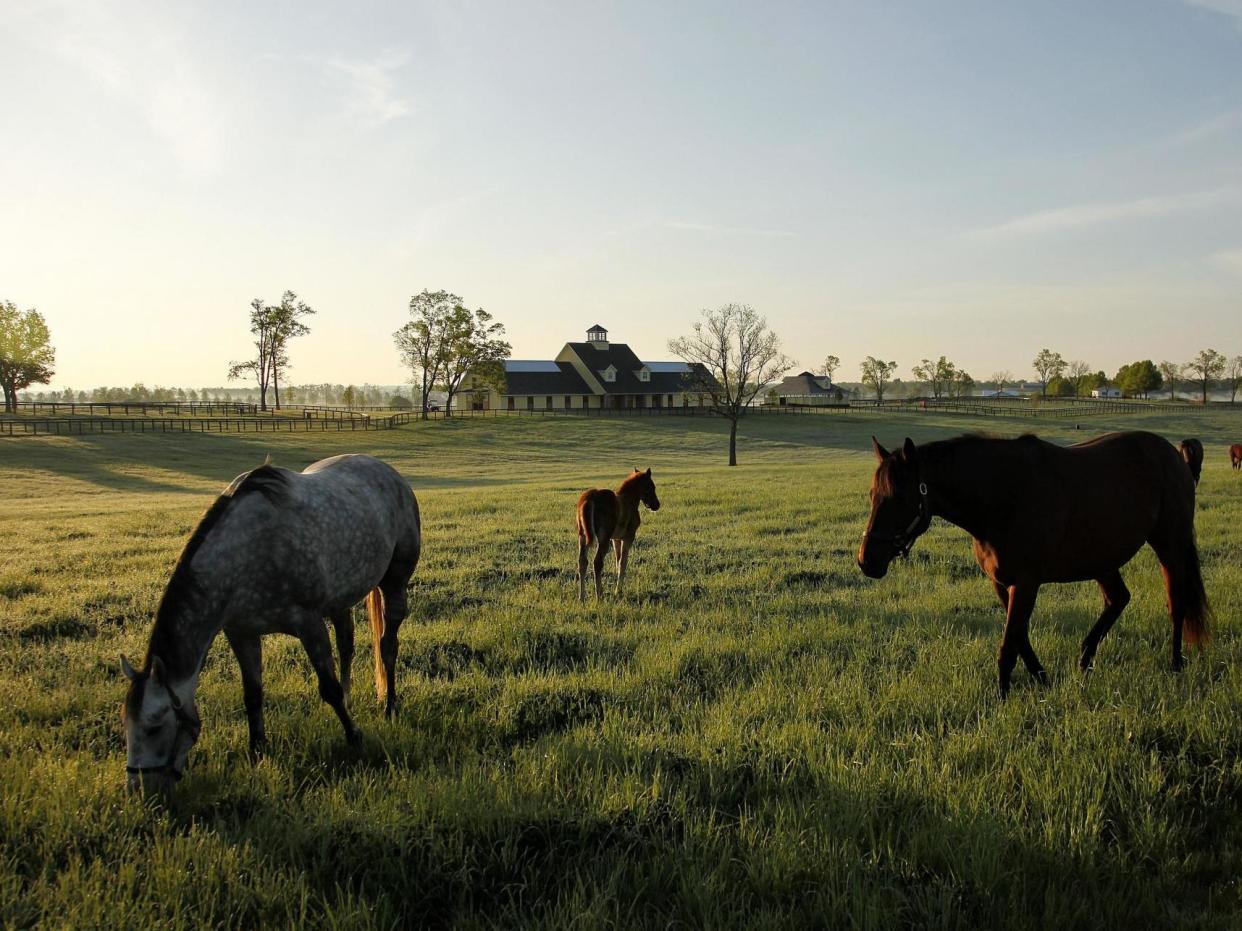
(597, 513)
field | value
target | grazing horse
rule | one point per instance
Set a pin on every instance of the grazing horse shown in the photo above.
(605, 515)
(1192, 452)
(277, 552)
(1044, 513)
(1235, 456)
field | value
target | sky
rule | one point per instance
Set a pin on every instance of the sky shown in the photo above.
(898, 179)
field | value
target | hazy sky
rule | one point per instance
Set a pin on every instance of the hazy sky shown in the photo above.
(977, 179)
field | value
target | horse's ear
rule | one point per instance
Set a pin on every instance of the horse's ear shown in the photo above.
(158, 673)
(908, 451)
(880, 452)
(648, 471)
(127, 670)
(637, 469)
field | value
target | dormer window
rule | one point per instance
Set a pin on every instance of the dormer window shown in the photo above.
(610, 373)
(644, 374)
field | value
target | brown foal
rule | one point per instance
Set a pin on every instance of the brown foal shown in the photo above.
(605, 515)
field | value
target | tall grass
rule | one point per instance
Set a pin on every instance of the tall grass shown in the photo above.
(754, 734)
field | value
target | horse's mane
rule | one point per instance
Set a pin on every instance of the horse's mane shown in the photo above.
(937, 449)
(633, 479)
(266, 480)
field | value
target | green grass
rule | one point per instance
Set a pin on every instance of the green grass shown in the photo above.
(753, 735)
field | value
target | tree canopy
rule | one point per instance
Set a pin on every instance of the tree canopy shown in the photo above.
(26, 353)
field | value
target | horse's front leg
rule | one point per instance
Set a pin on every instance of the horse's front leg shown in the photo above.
(249, 652)
(1016, 640)
(314, 636)
(601, 552)
(343, 624)
(623, 560)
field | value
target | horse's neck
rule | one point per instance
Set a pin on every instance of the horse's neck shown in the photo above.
(627, 498)
(956, 494)
(181, 640)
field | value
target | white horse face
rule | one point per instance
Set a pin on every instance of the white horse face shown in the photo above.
(159, 730)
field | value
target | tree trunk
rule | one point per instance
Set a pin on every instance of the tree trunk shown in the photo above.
(276, 385)
(733, 441)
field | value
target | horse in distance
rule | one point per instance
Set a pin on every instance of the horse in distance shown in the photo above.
(1235, 456)
(1042, 513)
(1192, 451)
(278, 552)
(605, 515)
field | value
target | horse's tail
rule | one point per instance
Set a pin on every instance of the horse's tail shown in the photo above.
(375, 611)
(586, 519)
(1196, 611)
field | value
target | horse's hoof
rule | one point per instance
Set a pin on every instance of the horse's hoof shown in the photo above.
(1041, 676)
(354, 738)
(257, 750)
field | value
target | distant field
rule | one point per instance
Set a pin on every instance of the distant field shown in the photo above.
(753, 735)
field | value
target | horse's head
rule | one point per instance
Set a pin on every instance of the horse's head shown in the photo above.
(160, 729)
(899, 509)
(646, 488)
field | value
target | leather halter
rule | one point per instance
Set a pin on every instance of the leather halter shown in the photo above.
(187, 724)
(904, 539)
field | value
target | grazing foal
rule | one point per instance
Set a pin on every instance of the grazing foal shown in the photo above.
(1235, 456)
(605, 515)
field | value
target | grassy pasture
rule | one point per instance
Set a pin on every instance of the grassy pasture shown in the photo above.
(753, 735)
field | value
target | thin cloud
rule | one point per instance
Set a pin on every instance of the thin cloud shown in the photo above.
(370, 85)
(1225, 7)
(133, 57)
(730, 230)
(1228, 260)
(1218, 125)
(1078, 216)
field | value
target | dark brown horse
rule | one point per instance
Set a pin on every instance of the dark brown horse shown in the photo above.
(1192, 452)
(1235, 456)
(1044, 513)
(605, 515)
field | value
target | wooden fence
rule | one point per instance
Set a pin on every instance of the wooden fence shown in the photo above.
(129, 408)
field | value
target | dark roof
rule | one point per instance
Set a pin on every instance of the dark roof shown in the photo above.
(564, 380)
(597, 327)
(619, 356)
(804, 384)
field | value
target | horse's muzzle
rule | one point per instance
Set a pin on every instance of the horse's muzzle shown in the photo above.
(873, 570)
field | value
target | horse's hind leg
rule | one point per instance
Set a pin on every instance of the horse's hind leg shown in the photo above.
(314, 636)
(343, 624)
(623, 560)
(583, 546)
(396, 607)
(601, 551)
(249, 653)
(1116, 597)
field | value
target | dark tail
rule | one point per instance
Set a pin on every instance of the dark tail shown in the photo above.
(375, 611)
(1193, 598)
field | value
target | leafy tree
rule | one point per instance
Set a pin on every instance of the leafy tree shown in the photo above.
(473, 344)
(285, 323)
(422, 341)
(1233, 377)
(831, 364)
(26, 353)
(260, 367)
(1048, 365)
(1207, 366)
(938, 375)
(1059, 387)
(732, 355)
(1139, 378)
(876, 374)
(1171, 372)
(349, 397)
(962, 384)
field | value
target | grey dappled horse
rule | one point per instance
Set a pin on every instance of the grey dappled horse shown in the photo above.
(277, 552)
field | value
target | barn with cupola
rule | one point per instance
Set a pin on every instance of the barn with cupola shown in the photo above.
(597, 374)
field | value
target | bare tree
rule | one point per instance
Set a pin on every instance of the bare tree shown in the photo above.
(876, 373)
(1077, 374)
(831, 364)
(1048, 365)
(1233, 377)
(26, 353)
(1208, 365)
(732, 355)
(1001, 379)
(1171, 372)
